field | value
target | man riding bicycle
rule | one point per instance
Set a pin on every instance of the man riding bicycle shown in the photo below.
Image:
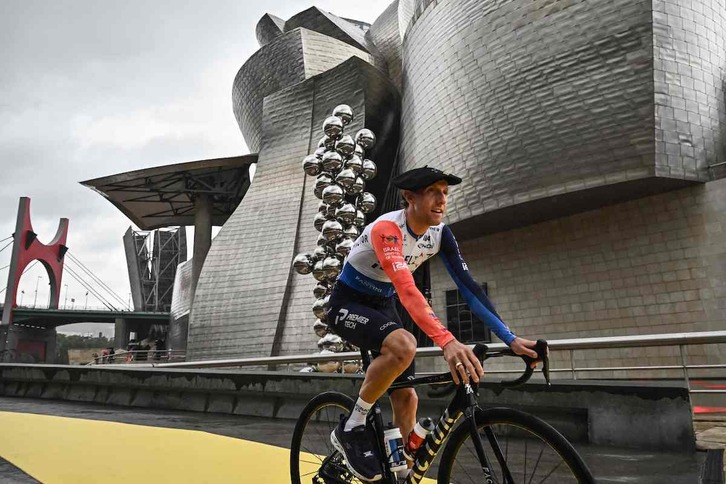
(362, 310)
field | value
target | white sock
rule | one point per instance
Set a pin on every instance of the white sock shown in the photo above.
(358, 415)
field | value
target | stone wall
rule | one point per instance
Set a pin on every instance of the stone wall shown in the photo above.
(653, 265)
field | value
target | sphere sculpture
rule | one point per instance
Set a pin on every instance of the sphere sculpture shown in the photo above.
(333, 127)
(344, 112)
(303, 264)
(365, 138)
(341, 172)
(312, 165)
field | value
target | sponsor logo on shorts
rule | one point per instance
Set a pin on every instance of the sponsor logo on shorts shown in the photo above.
(388, 324)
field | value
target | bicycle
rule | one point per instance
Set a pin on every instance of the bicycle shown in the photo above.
(522, 447)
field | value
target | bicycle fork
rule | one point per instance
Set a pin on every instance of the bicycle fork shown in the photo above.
(470, 414)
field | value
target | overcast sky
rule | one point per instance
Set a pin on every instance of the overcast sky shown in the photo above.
(95, 88)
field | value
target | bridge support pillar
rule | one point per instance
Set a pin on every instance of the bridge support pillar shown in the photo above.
(121, 334)
(26, 344)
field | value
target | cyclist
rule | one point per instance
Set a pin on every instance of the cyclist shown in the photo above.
(362, 309)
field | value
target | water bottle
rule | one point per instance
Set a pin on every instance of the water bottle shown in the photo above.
(423, 427)
(394, 449)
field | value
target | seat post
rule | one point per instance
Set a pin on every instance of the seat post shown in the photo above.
(366, 357)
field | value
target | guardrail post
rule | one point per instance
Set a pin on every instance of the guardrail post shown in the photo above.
(685, 366)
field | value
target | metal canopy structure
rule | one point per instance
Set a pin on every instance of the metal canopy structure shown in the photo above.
(166, 196)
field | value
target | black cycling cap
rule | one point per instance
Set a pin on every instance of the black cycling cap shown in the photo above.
(419, 178)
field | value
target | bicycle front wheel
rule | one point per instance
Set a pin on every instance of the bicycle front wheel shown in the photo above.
(520, 448)
(313, 459)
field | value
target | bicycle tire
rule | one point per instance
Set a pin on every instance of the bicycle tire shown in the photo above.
(523, 432)
(311, 437)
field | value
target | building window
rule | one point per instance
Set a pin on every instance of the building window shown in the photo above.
(466, 327)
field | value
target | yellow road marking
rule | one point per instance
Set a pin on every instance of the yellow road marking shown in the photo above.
(67, 450)
(76, 451)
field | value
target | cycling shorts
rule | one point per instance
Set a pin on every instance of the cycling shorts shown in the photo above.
(365, 321)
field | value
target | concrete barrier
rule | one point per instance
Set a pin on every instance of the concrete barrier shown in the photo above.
(654, 416)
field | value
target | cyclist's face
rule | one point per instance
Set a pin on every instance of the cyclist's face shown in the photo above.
(428, 205)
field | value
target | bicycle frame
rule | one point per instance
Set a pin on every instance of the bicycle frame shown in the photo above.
(464, 403)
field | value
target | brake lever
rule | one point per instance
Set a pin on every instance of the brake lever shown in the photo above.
(543, 356)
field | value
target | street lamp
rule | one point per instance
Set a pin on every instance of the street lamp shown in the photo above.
(73, 302)
(65, 302)
(35, 299)
(22, 293)
(86, 306)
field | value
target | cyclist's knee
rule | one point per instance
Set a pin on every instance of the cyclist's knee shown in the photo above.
(401, 345)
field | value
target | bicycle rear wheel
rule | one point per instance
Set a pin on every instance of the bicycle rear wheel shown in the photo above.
(313, 459)
(530, 449)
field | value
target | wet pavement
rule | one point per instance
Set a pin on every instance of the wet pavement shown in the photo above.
(608, 464)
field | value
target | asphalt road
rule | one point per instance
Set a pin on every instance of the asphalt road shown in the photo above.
(609, 465)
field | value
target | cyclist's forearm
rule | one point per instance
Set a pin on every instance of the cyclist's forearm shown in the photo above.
(386, 239)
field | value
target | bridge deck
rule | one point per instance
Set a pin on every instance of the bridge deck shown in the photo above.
(51, 318)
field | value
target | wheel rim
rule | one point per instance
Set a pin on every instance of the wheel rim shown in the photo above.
(315, 446)
(530, 459)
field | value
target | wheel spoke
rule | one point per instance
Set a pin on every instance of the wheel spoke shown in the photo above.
(536, 464)
(526, 452)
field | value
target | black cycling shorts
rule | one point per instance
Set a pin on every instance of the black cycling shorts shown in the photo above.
(365, 321)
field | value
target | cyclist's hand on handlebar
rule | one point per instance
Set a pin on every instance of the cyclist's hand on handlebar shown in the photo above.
(456, 352)
(523, 346)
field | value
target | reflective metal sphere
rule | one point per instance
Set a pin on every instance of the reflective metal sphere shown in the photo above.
(351, 233)
(365, 138)
(319, 220)
(346, 213)
(333, 126)
(332, 161)
(345, 178)
(322, 207)
(321, 252)
(358, 186)
(344, 112)
(320, 328)
(311, 165)
(324, 180)
(332, 230)
(331, 342)
(319, 308)
(369, 170)
(320, 290)
(354, 163)
(331, 266)
(321, 240)
(366, 202)
(360, 219)
(359, 151)
(303, 263)
(345, 145)
(332, 210)
(333, 194)
(318, 272)
(319, 153)
(343, 247)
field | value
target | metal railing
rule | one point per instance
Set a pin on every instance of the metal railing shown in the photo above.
(681, 340)
(140, 357)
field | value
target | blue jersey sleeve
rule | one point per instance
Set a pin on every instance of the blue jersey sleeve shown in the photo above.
(473, 295)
